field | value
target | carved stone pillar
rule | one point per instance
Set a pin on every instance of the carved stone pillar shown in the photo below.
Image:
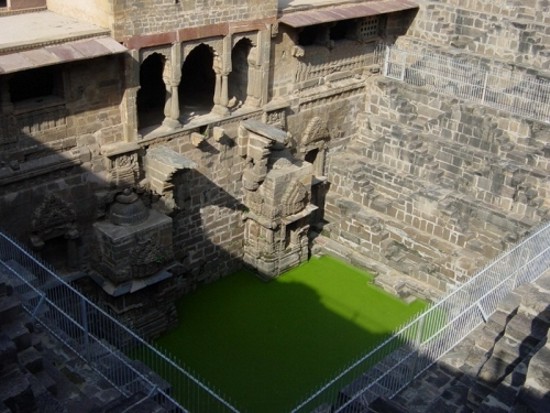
(224, 98)
(172, 77)
(128, 107)
(129, 114)
(254, 78)
(217, 87)
(220, 90)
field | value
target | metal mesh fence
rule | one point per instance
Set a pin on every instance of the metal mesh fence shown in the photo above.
(392, 365)
(510, 89)
(124, 359)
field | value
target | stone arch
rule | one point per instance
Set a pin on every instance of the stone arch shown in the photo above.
(151, 96)
(55, 233)
(198, 79)
(294, 199)
(239, 77)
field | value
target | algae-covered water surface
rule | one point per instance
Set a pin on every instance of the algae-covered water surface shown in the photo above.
(267, 345)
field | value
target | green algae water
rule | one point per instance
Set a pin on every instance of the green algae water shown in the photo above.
(268, 345)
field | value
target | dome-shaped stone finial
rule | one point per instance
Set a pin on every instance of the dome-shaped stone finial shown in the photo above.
(128, 209)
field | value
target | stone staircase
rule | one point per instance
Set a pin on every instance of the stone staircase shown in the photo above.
(39, 374)
(433, 187)
(502, 366)
(517, 31)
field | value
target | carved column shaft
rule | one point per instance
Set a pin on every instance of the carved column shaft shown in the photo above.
(220, 89)
(128, 107)
(172, 77)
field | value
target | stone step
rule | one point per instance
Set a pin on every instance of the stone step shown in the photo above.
(10, 309)
(15, 390)
(23, 276)
(523, 328)
(31, 359)
(8, 350)
(18, 333)
(384, 405)
(511, 351)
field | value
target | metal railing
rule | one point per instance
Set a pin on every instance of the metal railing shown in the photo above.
(513, 90)
(119, 355)
(401, 358)
(127, 361)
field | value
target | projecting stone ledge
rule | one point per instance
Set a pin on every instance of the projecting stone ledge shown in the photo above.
(265, 130)
(160, 165)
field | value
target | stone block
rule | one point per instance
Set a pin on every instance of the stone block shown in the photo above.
(10, 308)
(520, 328)
(19, 334)
(8, 350)
(31, 359)
(15, 391)
(494, 370)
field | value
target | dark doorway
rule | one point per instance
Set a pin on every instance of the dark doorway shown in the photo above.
(239, 76)
(311, 157)
(54, 253)
(198, 80)
(151, 96)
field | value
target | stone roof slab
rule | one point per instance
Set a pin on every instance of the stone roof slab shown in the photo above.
(61, 53)
(345, 12)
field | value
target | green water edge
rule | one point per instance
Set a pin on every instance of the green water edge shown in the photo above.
(269, 345)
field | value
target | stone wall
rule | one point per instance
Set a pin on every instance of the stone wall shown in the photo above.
(296, 67)
(207, 221)
(58, 148)
(517, 31)
(187, 19)
(337, 109)
(433, 186)
(98, 12)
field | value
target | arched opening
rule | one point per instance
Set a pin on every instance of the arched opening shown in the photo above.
(239, 76)
(151, 97)
(198, 80)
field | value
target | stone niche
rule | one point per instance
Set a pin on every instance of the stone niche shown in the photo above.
(277, 197)
(55, 234)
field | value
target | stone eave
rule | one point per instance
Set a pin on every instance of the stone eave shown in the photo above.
(313, 16)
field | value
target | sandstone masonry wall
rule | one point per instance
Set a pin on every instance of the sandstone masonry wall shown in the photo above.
(207, 224)
(98, 12)
(151, 16)
(58, 148)
(518, 31)
(430, 177)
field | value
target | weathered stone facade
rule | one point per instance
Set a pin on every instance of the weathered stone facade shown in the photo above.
(244, 132)
(422, 182)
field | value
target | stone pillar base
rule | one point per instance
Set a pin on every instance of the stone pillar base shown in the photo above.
(220, 110)
(171, 123)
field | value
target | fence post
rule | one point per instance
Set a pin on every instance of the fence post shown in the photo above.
(484, 87)
(404, 67)
(386, 60)
(84, 321)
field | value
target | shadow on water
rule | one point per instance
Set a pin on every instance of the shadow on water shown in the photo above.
(269, 344)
